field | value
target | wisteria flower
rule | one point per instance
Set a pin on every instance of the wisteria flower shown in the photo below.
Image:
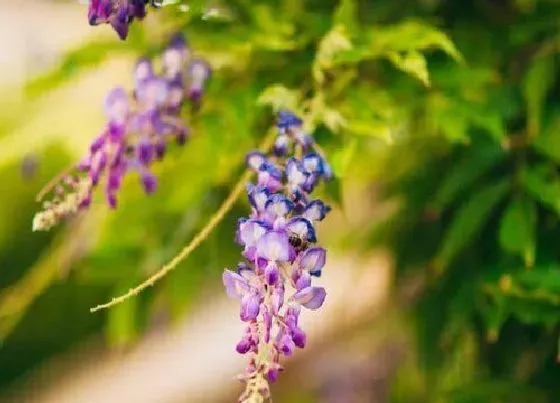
(138, 129)
(282, 257)
(118, 13)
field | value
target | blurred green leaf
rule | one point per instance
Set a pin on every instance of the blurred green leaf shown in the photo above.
(342, 159)
(410, 36)
(333, 191)
(279, 97)
(332, 44)
(476, 162)
(536, 84)
(548, 141)
(495, 391)
(469, 220)
(413, 63)
(494, 317)
(345, 14)
(121, 319)
(543, 185)
(517, 229)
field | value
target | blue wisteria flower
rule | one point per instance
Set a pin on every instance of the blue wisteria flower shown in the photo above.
(119, 13)
(138, 130)
(279, 241)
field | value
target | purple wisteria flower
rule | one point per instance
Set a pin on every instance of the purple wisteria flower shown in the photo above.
(119, 13)
(281, 253)
(137, 132)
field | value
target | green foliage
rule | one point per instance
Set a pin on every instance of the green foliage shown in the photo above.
(517, 229)
(452, 105)
(487, 211)
(470, 220)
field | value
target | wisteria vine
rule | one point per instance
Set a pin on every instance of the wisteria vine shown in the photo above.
(280, 250)
(281, 255)
(119, 13)
(139, 127)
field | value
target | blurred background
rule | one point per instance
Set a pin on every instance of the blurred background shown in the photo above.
(441, 119)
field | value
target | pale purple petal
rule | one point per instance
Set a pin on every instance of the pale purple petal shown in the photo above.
(267, 321)
(236, 285)
(274, 246)
(250, 306)
(271, 274)
(302, 228)
(295, 172)
(299, 337)
(313, 260)
(284, 343)
(255, 159)
(303, 281)
(278, 205)
(313, 163)
(277, 299)
(316, 210)
(258, 196)
(311, 297)
(250, 231)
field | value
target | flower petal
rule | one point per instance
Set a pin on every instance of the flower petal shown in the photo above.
(303, 281)
(313, 260)
(295, 172)
(258, 197)
(281, 145)
(271, 274)
(279, 205)
(287, 119)
(316, 210)
(311, 297)
(274, 247)
(250, 307)
(313, 163)
(236, 286)
(299, 337)
(250, 231)
(302, 228)
(254, 160)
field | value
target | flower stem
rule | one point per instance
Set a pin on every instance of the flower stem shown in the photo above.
(53, 182)
(195, 242)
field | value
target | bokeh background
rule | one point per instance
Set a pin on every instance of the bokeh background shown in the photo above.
(441, 119)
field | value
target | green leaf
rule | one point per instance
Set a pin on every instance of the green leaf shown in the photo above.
(343, 157)
(333, 191)
(536, 83)
(543, 185)
(475, 163)
(494, 317)
(469, 221)
(517, 229)
(279, 97)
(370, 128)
(548, 141)
(413, 63)
(121, 320)
(410, 36)
(332, 44)
(345, 14)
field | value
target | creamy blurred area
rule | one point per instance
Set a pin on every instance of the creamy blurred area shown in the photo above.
(34, 33)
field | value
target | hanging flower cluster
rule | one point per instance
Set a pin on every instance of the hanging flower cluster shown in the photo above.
(281, 253)
(119, 13)
(138, 129)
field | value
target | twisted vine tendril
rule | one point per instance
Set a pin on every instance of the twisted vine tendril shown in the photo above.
(198, 239)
